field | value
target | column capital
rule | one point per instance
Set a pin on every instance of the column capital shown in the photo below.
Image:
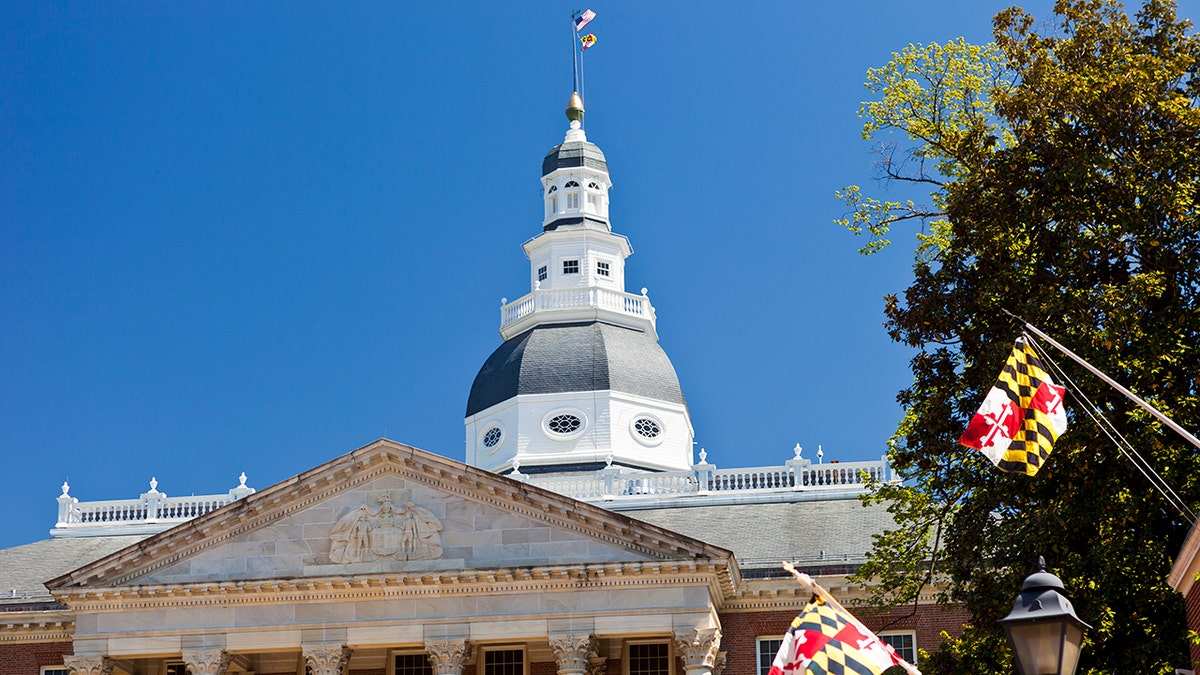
(698, 649)
(573, 651)
(97, 664)
(207, 661)
(326, 659)
(446, 656)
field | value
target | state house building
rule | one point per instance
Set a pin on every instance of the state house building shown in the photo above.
(582, 535)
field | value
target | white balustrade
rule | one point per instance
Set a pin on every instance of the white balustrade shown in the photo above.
(612, 484)
(152, 511)
(567, 299)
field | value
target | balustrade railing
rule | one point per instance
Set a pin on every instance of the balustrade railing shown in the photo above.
(152, 510)
(797, 475)
(565, 299)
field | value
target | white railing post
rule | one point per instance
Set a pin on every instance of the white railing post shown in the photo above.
(152, 500)
(704, 474)
(609, 475)
(66, 512)
(796, 465)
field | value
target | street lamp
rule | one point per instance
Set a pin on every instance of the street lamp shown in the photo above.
(1043, 628)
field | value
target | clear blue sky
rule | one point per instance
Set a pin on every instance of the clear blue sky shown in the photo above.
(255, 236)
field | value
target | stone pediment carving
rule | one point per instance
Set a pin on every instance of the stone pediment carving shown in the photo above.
(405, 533)
(384, 509)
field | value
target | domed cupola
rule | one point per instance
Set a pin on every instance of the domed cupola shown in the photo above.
(580, 379)
(575, 180)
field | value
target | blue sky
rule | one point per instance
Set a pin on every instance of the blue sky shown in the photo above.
(255, 236)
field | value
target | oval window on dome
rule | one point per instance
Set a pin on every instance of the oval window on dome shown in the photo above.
(647, 429)
(564, 424)
(492, 438)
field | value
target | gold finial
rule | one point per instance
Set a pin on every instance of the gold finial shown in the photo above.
(575, 108)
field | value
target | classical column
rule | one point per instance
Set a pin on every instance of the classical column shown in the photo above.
(719, 666)
(446, 656)
(698, 649)
(572, 651)
(207, 661)
(326, 659)
(88, 665)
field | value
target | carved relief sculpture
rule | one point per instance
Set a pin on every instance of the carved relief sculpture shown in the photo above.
(407, 533)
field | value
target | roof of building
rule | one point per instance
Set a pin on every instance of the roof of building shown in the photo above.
(835, 531)
(571, 154)
(25, 569)
(570, 357)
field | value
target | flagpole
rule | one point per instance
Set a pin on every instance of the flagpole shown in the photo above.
(582, 94)
(1112, 383)
(574, 54)
(808, 582)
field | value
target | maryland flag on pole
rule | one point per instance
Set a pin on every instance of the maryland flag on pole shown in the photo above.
(1021, 417)
(827, 640)
(588, 41)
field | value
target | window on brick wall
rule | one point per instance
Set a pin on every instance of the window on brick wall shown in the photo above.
(767, 648)
(416, 663)
(904, 642)
(504, 662)
(649, 658)
(55, 670)
(174, 668)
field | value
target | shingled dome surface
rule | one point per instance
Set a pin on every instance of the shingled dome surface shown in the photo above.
(569, 357)
(574, 154)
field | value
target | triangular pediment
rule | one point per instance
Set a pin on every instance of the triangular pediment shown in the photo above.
(388, 509)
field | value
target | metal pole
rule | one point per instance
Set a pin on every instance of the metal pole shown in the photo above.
(1128, 394)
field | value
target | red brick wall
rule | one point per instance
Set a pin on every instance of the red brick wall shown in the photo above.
(740, 631)
(28, 659)
(1193, 621)
(543, 668)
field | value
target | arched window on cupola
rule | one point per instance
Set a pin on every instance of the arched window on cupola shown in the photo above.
(573, 195)
(552, 202)
(595, 199)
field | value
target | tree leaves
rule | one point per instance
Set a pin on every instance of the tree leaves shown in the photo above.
(1064, 175)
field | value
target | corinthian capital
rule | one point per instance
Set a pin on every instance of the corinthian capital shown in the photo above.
(698, 649)
(326, 659)
(572, 651)
(207, 661)
(88, 665)
(446, 656)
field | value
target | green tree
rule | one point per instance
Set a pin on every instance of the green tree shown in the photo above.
(1063, 166)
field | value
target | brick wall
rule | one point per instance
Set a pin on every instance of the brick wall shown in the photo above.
(1193, 621)
(28, 659)
(740, 630)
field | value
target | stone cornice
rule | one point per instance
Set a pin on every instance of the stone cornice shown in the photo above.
(526, 580)
(40, 626)
(762, 595)
(364, 465)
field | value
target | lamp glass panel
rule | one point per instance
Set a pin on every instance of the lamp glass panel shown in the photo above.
(1071, 646)
(1038, 646)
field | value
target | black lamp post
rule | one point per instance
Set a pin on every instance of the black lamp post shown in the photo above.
(1043, 628)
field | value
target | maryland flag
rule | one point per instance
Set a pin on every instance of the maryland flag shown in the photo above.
(1021, 417)
(828, 640)
(588, 40)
